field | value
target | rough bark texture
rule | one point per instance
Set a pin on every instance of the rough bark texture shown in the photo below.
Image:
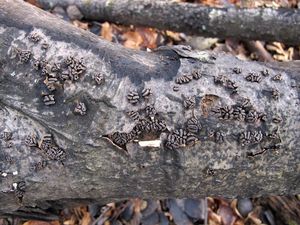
(243, 148)
(245, 24)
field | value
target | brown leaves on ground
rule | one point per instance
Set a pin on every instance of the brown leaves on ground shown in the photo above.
(37, 222)
(280, 52)
(79, 24)
(79, 215)
(33, 2)
(140, 38)
(130, 37)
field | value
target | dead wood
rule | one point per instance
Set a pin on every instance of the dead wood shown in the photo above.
(244, 24)
(216, 125)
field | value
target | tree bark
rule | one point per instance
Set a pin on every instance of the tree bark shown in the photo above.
(214, 125)
(245, 24)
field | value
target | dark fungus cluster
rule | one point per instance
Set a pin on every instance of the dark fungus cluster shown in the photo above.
(134, 97)
(147, 121)
(20, 190)
(143, 127)
(226, 83)
(80, 109)
(216, 136)
(243, 112)
(54, 74)
(186, 78)
(250, 137)
(180, 138)
(6, 136)
(47, 146)
(186, 136)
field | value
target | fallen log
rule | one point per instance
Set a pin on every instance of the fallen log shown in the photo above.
(84, 120)
(240, 23)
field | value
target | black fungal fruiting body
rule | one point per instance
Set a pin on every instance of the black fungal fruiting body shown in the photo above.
(190, 102)
(99, 79)
(224, 113)
(210, 172)
(184, 79)
(274, 134)
(49, 99)
(36, 64)
(231, 85)
(237, 70)
(20, 190)
(134, 115)
(146, 92)
(265, 72)
(34, 37)
(245, 103)
(6, 135)
(239, 113)
(119, 138)
(193, 125)
(225, 82)
(220, 79)
(76, 67)
(180, 138)
(153, 125)
(133, 97)
(250, 137)
(252, 116)
(51, 150)
(175, 88)
(216, 136)
(277, 77)
(254, 77)
(80, 109)
(157, 125)
(196, 74)
(55, 67)
(31, 141)
(219, 136)
(275, 94)
(38, 166)
(51, 83)
(150, 110)
(24, 55)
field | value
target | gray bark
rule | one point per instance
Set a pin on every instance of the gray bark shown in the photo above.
(242, 150)
(245, 24)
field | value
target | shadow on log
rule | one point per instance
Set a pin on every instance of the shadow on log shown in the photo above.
(83, 120)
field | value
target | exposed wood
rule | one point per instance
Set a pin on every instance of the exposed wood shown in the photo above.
(245, 24)
(243, 148)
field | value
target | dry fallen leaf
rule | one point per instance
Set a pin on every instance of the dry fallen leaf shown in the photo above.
(140, 38)
(37, 222)
(213, 218)
(132, 40)
(80, 24)
(227, 215)
(34, 2)
(107, 31)
(173, 35)
(280, 53)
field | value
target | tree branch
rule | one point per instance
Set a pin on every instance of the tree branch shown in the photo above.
(245, 24)
(216, 125)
